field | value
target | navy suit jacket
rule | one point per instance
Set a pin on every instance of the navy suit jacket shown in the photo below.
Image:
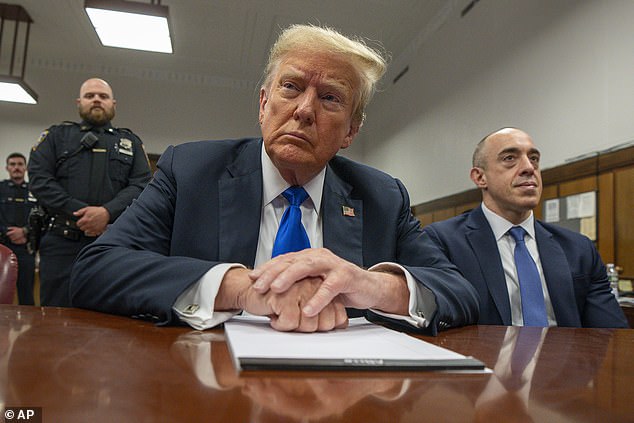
(203, 208)
(574, 273)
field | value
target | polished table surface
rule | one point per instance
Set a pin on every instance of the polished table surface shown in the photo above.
(83, 366)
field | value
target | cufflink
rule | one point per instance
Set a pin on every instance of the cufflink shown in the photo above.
(191, 309)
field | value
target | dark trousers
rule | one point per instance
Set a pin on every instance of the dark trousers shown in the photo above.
(26, 273)
(57, 255)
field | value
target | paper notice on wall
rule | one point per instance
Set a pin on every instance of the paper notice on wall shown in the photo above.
(588, 227)
(581, 205)
(551, 210)
(587, 204)
(572, 207)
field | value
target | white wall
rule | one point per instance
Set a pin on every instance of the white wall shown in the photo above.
(160, 112)
(561, 70)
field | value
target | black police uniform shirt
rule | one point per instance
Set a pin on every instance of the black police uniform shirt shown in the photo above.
(15, 205)
(70, 169)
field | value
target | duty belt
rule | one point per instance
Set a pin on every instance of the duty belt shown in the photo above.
(64, 226)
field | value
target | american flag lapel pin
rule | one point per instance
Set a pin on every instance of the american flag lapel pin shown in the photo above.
(347, 211)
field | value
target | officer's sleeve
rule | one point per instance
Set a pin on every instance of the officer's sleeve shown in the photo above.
(43, 182)
(140, 175)
(3, 220)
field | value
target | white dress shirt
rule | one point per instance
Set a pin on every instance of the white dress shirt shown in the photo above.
(506, 247)
(195, 305)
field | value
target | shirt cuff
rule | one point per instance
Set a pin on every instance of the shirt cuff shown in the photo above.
(195, 306)
(422, 301)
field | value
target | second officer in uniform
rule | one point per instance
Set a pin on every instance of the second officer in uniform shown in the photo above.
(15, 206)
(84, 175)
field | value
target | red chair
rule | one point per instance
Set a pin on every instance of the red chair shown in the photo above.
(8, 274)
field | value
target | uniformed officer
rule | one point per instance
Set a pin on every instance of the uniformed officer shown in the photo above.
(84, 175)
(15, 206)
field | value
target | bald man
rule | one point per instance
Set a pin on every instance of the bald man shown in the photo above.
(84, 175)
(574, 287)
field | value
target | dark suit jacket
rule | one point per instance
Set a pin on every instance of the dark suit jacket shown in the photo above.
(203, 208)
(575, 275)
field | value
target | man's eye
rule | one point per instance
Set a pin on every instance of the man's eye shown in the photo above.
(330, 97)
(289, 85)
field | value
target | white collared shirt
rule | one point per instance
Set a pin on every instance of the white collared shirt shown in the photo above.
(274, 204)
(195, 305)
(506, 247)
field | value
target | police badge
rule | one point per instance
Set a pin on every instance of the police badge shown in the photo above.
(125, 146)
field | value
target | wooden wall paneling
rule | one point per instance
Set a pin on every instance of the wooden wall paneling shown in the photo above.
(570, 171)
(465, 197)
(616, 159)
(550, 191)
(605, 221)
(578, 186)
(467, 206)
(425, 218)
(444, 214)
(624, 220)
(153, 159)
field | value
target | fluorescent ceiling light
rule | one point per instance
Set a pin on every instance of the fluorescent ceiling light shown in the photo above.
(130, 25)
(12, 85)
(16, 91)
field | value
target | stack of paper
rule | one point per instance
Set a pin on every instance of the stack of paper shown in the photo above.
(254, 345)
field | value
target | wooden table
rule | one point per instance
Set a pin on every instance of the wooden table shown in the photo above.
(82, 366)
(628, 310)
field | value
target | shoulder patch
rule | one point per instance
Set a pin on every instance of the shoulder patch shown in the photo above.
(41, 138)
(45, 133)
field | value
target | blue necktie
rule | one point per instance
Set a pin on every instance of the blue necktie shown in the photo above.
(291, 235)
(533, 308)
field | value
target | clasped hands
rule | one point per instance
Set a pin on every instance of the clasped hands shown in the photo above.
(308, 291)
(93, 220)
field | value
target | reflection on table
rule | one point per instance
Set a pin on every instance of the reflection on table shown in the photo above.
(85, 366)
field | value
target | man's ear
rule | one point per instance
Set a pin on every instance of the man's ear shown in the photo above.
(478, 177)
(263, 101)
(352, 133)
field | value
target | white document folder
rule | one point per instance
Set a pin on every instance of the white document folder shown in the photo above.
(254, 345)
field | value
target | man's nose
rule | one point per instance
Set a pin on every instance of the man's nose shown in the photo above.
(305, 110)
(527, 165)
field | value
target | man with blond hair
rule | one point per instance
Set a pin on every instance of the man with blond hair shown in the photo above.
(210, 235)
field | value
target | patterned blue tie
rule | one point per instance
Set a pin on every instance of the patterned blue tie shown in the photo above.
(533, 308)
(291, 235)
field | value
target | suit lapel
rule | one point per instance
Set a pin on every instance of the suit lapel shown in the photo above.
(558, 279)
(240, 200)
(342, 219)
(483, 244)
